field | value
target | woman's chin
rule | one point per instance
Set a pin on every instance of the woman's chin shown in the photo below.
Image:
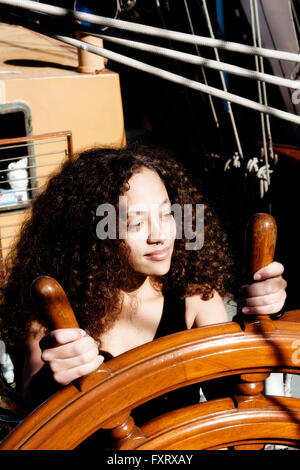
(159, 269)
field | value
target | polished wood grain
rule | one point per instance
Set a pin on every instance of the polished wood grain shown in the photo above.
(260, 243)
(71, 415)
(51, 299)
(259, 249)
(205, 427)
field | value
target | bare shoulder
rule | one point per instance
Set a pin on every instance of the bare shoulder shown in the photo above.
(204, 312)
(36, 332)
(33, 361)
(32, 347)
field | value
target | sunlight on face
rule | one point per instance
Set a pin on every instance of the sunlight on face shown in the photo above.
(151, 228)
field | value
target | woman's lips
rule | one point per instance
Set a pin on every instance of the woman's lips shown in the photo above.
(158, 255)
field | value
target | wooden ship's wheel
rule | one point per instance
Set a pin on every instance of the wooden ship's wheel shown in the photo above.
(249, 348)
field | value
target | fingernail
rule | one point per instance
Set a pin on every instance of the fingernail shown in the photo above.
(82, 332)
(245, 310)
(257, 277)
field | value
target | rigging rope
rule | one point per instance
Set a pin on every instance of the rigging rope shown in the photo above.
(150, 30)
(262, 172)
(202, 61)
(213, 110)
(170, 76)
(211, 91)
(233, 123)
(260, 97)
(265, 99)
(264, 85)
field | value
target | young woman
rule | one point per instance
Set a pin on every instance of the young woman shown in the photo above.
(126, 286)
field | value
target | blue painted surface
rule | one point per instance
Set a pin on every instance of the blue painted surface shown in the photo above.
(104, 8)
(221, 23)
(220, 15)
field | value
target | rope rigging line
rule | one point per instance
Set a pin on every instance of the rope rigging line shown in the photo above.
(164, 74)
(208, 63)
(179, 79)
(260, 98)
(211, 91)
(262, 172)
(264, 88)
(229, 68)
(213, 110)
(266, 119)
(232, 118)
(150, 30)
(254, 164)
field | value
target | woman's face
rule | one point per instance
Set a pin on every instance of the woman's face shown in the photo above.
(151, 228)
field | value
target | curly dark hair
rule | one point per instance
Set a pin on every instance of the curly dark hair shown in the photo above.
(59, 239)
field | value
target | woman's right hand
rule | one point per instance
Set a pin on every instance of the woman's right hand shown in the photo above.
(70, 354)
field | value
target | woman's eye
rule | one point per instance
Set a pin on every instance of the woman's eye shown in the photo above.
(167, 215)
(135, 227)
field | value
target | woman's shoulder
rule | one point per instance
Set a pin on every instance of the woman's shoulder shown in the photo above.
(199, 312)
(35, 331)
(31, 347)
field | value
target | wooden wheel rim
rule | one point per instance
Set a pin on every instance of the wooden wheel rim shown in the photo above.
(70, 416)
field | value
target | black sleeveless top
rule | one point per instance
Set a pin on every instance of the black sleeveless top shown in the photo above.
(173, 316)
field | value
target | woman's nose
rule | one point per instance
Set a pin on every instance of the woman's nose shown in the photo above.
(157, 232)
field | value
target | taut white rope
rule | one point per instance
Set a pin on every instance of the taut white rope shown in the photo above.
(264, 88)
(212, 106)
(170, 76)
(208, 63)
(166, 75)
(255, 28)
(150, 30)
(263, 173)
(232, 119)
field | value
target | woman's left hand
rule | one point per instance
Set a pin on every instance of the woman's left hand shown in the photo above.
(266, 296)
